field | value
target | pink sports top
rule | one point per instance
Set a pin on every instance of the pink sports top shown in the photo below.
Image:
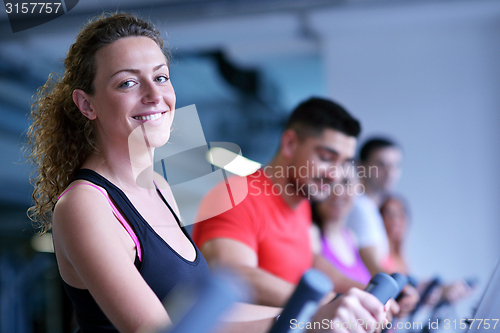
(357, 271)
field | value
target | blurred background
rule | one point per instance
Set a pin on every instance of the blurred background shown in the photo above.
(426, 73)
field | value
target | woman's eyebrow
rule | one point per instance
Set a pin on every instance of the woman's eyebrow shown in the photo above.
(158, 67)
(136, 71)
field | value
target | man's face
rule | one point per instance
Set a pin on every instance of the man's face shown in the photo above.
(383, 168)
(318, 163)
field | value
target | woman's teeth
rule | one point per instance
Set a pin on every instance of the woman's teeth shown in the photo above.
(149, 117)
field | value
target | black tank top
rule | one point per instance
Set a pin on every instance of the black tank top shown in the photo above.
(161, 267)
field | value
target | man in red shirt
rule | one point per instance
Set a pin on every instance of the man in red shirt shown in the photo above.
(267, 235)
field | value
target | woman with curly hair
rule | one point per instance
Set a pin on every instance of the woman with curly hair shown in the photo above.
(118, 240)
(116, 78)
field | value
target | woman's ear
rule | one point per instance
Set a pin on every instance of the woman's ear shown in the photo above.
(82, 101)
(289, 142)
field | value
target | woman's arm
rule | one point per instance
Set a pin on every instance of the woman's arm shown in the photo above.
(95, 252)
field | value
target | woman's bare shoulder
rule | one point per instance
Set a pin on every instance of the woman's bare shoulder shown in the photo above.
(91, 241)
(80, 200)
(83, 223)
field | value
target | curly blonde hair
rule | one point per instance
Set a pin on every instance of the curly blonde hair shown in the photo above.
(60, 138)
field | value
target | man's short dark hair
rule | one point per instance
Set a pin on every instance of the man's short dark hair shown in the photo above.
(373, 144)
(313, 116)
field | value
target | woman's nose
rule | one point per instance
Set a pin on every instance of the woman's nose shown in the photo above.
(152, 94)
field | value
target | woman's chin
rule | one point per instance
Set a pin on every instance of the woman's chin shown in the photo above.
(149, 136)
(157, 141)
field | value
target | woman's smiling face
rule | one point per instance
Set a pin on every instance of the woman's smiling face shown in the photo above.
(132, 88)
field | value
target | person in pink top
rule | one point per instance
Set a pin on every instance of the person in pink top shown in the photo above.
(333, 240)
(394, 212)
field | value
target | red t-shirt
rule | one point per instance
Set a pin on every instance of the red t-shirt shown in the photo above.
(278, 234)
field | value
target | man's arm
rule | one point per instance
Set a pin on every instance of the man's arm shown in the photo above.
(268, 289)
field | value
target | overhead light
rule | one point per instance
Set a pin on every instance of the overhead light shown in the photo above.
(232, 162)
(42, 243)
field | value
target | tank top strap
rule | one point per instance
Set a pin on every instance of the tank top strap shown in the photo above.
(97, 183)
(177, 219)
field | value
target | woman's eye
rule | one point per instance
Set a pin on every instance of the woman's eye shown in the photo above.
(127, 84)
(162, 78)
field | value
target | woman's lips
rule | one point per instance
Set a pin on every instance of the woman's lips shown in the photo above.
(153, 116)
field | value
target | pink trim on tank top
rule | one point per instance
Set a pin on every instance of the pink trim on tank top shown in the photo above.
(117, 214)
(356, 271)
